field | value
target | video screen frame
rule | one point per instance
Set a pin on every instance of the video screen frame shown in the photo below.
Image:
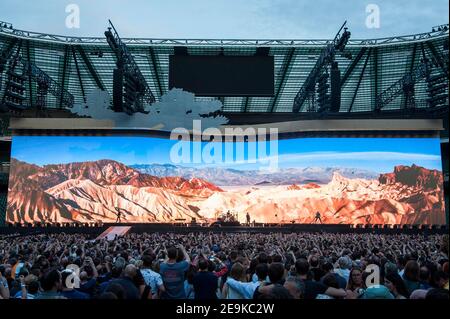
(272, 213)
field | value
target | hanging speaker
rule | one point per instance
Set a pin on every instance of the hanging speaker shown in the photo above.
(118, 90)
(335, 83)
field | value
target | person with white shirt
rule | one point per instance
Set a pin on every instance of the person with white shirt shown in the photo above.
(237, 273)
(152, 278)
(247, 289)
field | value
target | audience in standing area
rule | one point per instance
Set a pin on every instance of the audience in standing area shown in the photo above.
(225, 266)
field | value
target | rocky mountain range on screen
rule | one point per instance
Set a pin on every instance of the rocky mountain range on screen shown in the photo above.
(97, 191)
(235, 177)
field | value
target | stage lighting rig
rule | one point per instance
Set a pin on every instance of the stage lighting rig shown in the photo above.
(14, 94)
(47, 84)
(130, 88)
(323, 97)
(19, 71)
(404, 85)
(340, 41)
(437, 84)
(436, 89)
(326, 58)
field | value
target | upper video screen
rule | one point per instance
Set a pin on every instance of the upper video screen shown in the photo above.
(155, 180)
(221, 75)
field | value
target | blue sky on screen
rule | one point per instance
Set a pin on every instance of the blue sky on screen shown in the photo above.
(374, 154)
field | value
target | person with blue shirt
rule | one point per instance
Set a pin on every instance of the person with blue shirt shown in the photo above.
(173, 273)
(344, 264)
(29, 287)
(4, 288)
(205, 282)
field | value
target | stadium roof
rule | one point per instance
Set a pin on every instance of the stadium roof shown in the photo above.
(82, 64)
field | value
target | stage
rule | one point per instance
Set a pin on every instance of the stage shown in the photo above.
(188, 228)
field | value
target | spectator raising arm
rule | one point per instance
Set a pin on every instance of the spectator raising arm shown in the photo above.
(185, 254)
(4, 291)
(246, 289)
(337, 293)
(23, 287)
(90, 263)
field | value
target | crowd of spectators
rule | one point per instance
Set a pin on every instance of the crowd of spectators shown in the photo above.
(225, 266)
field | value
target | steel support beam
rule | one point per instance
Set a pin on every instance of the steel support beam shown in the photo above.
(30, 85)
(77, 67)
(6, 53)
(352, 66)
(413, 58)
(425, 36)
(155, 70)
(64, 71)
(284, 71)
(375, 77)
(438, 57)
(91, 68)
(246, 103)
(359, 81)
(410, 70)
(422, 48)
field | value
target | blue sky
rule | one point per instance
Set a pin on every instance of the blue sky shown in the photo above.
(375, 154)
(226, 18)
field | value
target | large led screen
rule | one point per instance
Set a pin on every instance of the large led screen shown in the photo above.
(222, 75)
(155, 180)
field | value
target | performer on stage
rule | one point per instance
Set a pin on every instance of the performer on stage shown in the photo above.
(119, 215)
(248, 219)
(317, 219)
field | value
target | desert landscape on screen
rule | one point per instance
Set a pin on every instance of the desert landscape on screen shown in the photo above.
(58, 179)
(96, 190)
